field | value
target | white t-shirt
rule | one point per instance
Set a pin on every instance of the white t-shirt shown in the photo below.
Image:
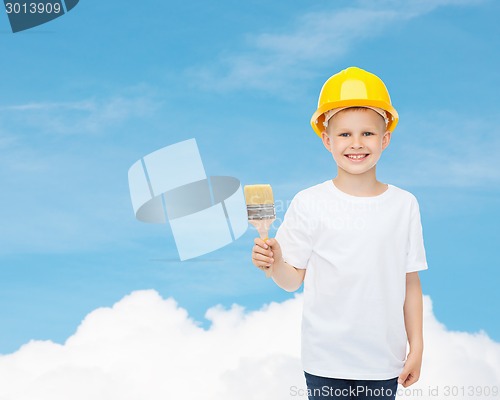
(357, 251)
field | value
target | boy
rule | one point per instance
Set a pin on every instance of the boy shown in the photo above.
(357, 245)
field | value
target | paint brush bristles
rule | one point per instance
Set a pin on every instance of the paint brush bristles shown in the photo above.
(260, 207)
(258, 194)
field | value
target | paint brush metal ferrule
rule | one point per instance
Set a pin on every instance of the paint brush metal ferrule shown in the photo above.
(261, 211)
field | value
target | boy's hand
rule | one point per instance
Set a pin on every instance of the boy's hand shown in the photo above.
(265, 254)
(411, 370)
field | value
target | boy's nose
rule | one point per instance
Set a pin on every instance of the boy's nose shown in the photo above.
(356, 143)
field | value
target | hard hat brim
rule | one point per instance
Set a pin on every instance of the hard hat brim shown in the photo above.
(318, 118)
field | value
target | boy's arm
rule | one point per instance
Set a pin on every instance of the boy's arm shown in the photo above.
(413, 314)
(268, 255)
(287, 276)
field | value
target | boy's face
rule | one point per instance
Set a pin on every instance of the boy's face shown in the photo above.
(356, 139)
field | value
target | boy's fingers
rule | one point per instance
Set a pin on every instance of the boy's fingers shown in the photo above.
(260, 242)
(410, 380)
(259, 250)
(262, 254)
(271, 241)
(259, 257)
(407, 378)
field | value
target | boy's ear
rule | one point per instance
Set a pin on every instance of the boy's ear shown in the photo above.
(386, 139)
(326, 140)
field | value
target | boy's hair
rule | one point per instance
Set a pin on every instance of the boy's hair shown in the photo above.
(355, 108)
(330, 113)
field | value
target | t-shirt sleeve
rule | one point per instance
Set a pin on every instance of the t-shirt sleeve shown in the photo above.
(416, 259)
(295, 235)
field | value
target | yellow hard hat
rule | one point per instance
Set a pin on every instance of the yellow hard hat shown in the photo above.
(353, 87)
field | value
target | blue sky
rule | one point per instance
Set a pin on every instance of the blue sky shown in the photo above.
(86, 95)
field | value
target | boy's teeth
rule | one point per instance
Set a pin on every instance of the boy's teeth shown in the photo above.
(356, 156)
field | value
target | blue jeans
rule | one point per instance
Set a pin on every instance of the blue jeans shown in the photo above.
(321, 388)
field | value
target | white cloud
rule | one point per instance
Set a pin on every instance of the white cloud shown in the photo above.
(148, 348)
(88, 116)
(269, 61)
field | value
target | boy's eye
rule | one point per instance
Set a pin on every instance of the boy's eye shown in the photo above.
(345, 134)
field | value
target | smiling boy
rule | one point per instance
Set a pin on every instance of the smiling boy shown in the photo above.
(357, 245)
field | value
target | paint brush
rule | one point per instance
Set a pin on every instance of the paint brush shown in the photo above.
(261, 212)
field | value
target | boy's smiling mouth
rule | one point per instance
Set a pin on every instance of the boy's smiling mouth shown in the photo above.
(357, 157)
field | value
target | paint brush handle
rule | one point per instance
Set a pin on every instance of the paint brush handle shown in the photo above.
(262, 226)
